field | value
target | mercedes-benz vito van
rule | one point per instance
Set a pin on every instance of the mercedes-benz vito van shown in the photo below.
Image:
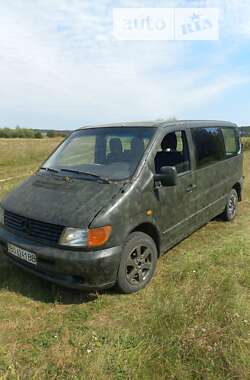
(112, 198)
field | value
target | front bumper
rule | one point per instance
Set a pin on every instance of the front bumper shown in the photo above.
(74, 269)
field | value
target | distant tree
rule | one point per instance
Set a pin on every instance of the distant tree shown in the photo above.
(6, 133)
(38, 134)
(28, 133)
(245, 131)
(51, 134)
(20, 133)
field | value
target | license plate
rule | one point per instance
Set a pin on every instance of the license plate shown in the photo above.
(22, 254)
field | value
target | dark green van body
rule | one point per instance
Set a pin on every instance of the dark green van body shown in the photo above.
(167, 213)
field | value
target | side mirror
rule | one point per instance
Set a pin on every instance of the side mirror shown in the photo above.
(167, 176)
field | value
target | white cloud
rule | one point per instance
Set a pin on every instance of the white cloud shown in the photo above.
(234, 16)
(60, 61)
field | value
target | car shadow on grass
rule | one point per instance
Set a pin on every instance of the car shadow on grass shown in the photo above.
(16, 280)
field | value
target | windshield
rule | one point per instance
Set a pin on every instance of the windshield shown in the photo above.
(111, 153)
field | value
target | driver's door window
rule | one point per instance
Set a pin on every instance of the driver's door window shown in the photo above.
(173, 152)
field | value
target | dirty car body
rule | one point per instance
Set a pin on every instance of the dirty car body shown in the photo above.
(72, 221)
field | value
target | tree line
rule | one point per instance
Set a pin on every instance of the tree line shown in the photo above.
(28, 133)
(245, 131)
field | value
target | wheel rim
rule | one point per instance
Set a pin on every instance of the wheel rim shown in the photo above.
(139, 264)
(232, 206)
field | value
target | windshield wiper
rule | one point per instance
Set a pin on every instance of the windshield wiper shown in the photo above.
(49, 169)
(105, 180)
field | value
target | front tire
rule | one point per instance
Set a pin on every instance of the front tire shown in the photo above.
(138, 263)
(231, 206)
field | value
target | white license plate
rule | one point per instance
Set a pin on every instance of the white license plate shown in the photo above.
(22, 254)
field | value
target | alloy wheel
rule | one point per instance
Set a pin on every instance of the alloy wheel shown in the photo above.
(232, 206)
(138, 265)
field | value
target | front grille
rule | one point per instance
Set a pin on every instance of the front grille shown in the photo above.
(34, 228)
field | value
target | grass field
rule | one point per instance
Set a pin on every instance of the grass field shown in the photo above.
(191, 322)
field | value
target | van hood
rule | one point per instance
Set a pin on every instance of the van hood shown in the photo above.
(52, 199)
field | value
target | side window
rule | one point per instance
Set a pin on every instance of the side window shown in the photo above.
(231, 142)
(209, 146)
(174, 152)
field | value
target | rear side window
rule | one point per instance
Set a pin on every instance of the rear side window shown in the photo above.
(209, 146)
(231, 142)
(214, 144)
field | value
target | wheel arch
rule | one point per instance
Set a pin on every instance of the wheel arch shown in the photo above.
(149, 229)
(238, 189)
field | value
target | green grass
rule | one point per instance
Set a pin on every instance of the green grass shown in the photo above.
(191, 322)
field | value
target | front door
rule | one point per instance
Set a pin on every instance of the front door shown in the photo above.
(176, 205)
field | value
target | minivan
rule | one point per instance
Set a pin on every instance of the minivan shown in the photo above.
(111, 199)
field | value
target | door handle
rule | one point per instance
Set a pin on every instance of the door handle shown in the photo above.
(190, 188)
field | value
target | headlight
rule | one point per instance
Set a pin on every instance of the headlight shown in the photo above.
(95, 237)
(74, 237)
(1, 215)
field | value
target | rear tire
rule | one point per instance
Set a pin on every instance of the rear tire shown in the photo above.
(231, 206)
(138, 263)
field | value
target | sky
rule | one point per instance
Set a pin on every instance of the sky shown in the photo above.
(61, 67)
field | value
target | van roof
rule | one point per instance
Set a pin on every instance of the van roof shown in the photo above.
(167, 123)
